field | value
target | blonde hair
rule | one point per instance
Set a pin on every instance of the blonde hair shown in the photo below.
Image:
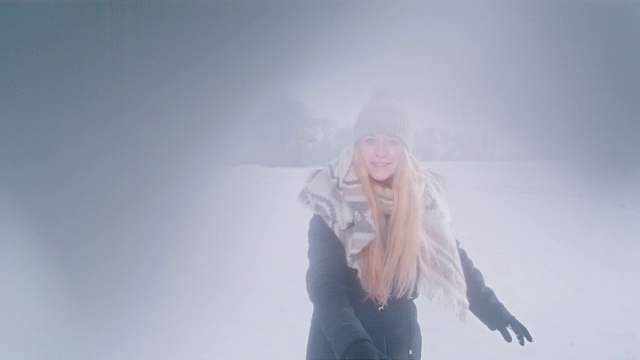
(389, 264)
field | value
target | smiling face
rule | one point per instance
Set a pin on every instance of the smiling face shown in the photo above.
(381, 155)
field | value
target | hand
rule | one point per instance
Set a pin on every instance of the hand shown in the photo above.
(363, 350)
(516, 326)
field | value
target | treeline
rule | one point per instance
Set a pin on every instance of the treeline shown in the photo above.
(286, 133)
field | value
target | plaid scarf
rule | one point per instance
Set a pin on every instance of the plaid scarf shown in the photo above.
(335, 193)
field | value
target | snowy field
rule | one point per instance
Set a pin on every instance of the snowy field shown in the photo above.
(561, 252)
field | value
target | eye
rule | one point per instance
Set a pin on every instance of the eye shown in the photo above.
(369, 141)
(393, 142)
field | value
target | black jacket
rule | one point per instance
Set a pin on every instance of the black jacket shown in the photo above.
(341, 316)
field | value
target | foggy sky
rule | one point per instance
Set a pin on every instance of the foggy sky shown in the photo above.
(123, 98)
(112, 102)
(103, 75)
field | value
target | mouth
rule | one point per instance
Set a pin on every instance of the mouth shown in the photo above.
(378, 164)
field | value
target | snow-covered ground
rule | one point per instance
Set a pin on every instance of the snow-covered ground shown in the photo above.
(560, 250)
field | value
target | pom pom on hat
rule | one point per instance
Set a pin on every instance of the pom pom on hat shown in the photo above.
(384, 114)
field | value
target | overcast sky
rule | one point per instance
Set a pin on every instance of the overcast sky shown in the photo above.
(562, 73)
(103, 95)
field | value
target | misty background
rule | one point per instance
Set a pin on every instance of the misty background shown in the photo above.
(115, 118)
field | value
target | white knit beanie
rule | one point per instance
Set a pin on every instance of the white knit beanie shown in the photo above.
(384, 114)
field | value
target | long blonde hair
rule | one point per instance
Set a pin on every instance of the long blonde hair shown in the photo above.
(389, 264)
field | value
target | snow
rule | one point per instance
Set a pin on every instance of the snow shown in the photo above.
(561, 255)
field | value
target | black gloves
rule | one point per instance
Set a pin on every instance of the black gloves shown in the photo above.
(363, 350)
(497, 317)
(493, 314)
(484, 304)
(516, 326)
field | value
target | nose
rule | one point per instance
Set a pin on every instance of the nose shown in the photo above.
(381, 149)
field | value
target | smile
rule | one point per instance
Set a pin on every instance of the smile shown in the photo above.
(380, 164)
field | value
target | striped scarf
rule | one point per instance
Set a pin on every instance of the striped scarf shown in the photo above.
(335, 193)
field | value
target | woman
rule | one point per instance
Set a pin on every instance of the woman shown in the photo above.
(381, 234)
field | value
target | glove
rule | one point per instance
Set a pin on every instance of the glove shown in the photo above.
(497, 317)
(363, 350)
(510, 322)
(484, 304)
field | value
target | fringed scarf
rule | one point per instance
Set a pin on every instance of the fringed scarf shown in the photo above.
(335, 193)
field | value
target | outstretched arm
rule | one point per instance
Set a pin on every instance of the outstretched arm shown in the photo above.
(484, 304)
